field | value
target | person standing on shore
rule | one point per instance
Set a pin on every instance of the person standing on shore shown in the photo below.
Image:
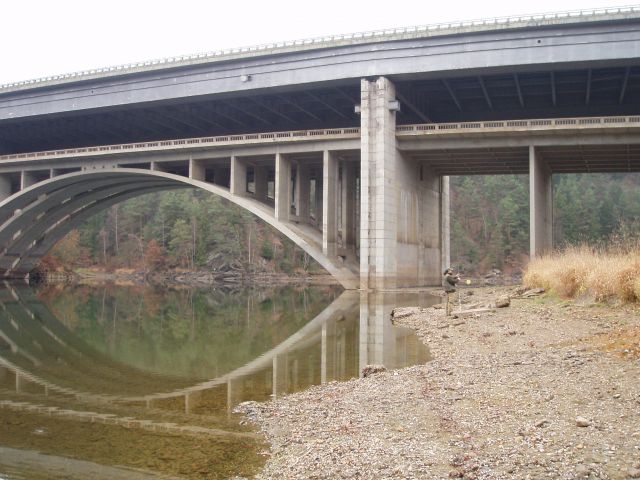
(450, 281)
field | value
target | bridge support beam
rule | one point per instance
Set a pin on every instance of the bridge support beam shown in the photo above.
(302, 192)
(540, 204)
(445, 229)
(404, 233)
(329, 204)
(261, 183)
(238, 185)
(378, 229)
(5, 187)
(283, 187)
(197, 170)
(27, 179)
(348, 214)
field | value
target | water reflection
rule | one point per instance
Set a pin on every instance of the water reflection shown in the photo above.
(142, 366)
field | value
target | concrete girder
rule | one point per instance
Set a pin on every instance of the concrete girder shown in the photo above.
(55, 226)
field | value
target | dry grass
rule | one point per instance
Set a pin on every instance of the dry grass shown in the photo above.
(604, 274)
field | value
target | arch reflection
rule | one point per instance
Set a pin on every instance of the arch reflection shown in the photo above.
(315, 338)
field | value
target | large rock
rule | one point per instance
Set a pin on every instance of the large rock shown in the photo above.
(401, 312)
(372, 369)
(503, 302)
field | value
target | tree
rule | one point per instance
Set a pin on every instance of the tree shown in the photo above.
(181, 243)
(155, 258)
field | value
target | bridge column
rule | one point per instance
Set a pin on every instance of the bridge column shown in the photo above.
(5, 187)
(329, 203)
(445, 215)
(27, 179)
(261, 181)
(238, 185)
(196, 170)
(283, 187)
(378, 231)
(302, 192)
(348, 188)
(157, 167)
(318, 200)
(540, 204)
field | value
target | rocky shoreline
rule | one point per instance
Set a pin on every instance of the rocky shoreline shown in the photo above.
(540, 389)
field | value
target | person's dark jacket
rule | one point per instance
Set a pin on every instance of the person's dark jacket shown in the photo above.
(450, 281)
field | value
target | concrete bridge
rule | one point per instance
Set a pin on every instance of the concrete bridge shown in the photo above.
(344, 144)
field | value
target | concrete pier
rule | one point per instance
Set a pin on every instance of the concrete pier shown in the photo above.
(378, 267)
(238, 184)
(329, 203)
(541, 204)
(404, 230)
(302, 191)
(283, 188)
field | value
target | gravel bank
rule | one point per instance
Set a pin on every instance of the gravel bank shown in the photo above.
(539, 389)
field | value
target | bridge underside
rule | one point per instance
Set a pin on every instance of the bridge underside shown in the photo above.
(599, 90)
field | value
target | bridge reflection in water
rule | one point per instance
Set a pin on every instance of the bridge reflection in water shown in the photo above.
(115, 358)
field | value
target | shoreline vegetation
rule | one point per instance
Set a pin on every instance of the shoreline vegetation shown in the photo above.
(589, 274)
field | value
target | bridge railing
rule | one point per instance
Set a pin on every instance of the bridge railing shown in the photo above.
(519, 125)
(297, 135)
(540, 124)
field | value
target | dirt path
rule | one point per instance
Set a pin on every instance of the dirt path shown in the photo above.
(540, 389)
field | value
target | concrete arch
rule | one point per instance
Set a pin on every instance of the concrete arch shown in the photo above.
(34, 219)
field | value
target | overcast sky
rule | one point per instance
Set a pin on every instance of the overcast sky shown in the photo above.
(39, 38)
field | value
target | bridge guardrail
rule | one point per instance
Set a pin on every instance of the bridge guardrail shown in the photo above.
(297, 135)
(342, 133)
(534, 124)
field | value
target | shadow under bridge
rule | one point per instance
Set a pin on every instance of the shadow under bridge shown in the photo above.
(33, 220)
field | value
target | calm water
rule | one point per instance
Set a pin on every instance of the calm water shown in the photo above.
(126, 382)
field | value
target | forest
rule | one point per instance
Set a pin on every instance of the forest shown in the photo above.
(489, 228)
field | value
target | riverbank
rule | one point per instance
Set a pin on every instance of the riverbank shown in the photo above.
(540, 389)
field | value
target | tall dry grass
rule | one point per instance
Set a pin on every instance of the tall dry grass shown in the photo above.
(601, 273)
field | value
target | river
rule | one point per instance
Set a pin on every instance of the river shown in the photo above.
(128, 382)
